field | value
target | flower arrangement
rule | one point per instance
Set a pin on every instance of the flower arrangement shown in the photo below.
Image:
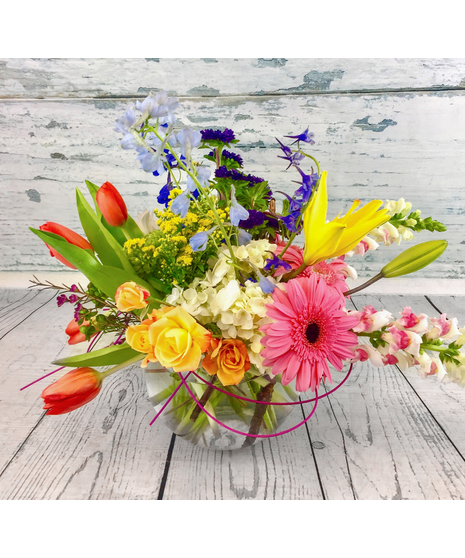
(209, 293)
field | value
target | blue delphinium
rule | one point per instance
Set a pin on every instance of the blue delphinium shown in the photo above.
(199, 241)
(164, 194)
(180, 205)
(236, 212)
(243, 237)
(188, 138)
(274, 261)
(306, 137)
(266, 285)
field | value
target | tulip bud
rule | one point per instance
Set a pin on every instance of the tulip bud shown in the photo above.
(69, 235)
(73, 390)
(74, 332)
(112, 205)
(414, 258)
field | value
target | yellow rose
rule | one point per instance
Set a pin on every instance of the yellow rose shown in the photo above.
(129, 296)
(137, 338)
(228, 359)
(179, 340)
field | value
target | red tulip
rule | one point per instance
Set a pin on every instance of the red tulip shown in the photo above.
(69, 235)
(75, 336)
(73, 390)
(112, 205)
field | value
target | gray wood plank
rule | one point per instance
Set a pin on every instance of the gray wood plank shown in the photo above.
(105, 450)
(196, 77)
(282, 468)
(446, 401)
(48, 148)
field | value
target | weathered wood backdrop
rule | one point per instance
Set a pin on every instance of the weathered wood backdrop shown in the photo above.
(383, 128)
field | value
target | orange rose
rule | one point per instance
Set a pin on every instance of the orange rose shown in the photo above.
(129, 296)
(228, 359)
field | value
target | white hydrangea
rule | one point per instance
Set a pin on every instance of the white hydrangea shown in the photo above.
(238, 310)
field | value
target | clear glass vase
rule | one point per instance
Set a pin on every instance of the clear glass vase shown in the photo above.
(183, 416)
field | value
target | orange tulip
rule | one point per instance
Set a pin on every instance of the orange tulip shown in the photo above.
(69, 235)
(112, 205)
(73, 390)
(75, 336)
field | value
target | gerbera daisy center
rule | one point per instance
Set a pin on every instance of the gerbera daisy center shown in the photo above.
(312, 332)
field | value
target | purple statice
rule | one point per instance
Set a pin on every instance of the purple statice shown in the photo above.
(237, 176)
(255, 219)
(61, 299)
(305, 136)
(226, 136)
(275, 262)
(232, 156)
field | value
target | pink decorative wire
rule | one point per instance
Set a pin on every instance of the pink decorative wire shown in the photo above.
(245, 433)
(274, 403)
(167, 402)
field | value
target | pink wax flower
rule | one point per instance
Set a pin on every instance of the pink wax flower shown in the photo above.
(310, 328)
(408, 320)
(400, 340)
(370, 319)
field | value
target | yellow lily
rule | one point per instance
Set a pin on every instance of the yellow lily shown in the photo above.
(330, 240)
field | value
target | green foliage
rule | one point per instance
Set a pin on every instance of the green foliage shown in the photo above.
(115, 354)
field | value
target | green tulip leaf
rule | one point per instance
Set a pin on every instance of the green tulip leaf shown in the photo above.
(116, 354)
(107, 248)
(104, 277)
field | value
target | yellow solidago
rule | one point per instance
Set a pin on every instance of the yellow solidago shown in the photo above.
(330, 240)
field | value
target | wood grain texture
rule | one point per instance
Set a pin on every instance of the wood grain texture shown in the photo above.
(105, 450)
(282, 468)
(389, 435)
(213, 77)
(407, 145)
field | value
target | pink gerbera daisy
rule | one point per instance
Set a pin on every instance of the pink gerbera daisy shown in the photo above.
(310, 328)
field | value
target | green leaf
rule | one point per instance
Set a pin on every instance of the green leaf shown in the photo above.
(116, 354)
(107, 248)
(105, 278)
(93, 192)
(133, 228)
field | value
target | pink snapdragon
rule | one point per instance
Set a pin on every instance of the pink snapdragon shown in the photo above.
(364, 246)
(412, 322)
(443, 328)
(400, 340)
(370, 319)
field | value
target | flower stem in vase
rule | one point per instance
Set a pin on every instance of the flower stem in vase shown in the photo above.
(265, 393)
(203, 400)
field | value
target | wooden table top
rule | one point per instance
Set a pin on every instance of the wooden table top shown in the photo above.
(384, 435)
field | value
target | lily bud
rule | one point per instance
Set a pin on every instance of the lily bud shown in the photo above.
(73, 390)
(112, 205)
(69, 235)
(414, 258)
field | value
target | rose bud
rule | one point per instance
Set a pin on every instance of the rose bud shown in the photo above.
(73, 390)
(112, 205)
(75, 336)
(69, 235)
(129, 296)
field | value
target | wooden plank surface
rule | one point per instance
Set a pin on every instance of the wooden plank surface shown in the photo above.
(80, 78)
(384, 435)
(407, 145)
